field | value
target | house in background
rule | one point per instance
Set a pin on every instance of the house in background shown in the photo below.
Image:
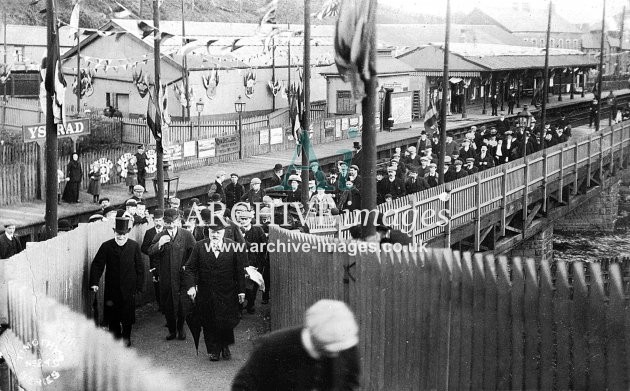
(26, 47)
(527, 21)
(393, 75)
(114, 59)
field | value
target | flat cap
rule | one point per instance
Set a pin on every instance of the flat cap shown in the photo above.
(458, 162)
(255, 181)
(131, 202)
(470, 160)
(354, 166)
(138, 188)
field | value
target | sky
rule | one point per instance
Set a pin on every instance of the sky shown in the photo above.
(574, 11)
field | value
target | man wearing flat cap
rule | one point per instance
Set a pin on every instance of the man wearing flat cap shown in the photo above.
(432, 177)
(394, 185)
(233, 191)
(138, 192)
(415, 183)
(353, 175)
(173, 247)
(214, 278)
(217, 186)
(121, 260)
(320, 355)
(470, 166)
(141, 163)
(255, 194)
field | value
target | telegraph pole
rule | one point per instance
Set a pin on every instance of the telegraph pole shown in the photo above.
(445, 88)
(158, 118)
(621, 27)
(273, 72)
(368, 135)
(307, 102)
(78, 72)
(6, 69)
(543, 118)
(601, 69)
(186, 110)
(52, 143)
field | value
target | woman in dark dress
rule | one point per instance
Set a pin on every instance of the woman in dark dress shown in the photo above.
(75, 174)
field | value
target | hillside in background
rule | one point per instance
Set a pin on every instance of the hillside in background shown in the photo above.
(95, 13)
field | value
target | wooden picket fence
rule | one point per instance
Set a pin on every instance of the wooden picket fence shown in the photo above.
(445, 320)
(17, 112)
(44, 297)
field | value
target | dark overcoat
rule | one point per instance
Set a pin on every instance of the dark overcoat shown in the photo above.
(124, 276)
(172, 256)
(218, 280)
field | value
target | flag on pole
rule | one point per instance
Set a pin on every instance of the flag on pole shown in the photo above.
(74, 21)
(54, 82)
(120, 12)
(153, 119)
(269, 13)
(430, 117)
(352, 51)
(329, 8)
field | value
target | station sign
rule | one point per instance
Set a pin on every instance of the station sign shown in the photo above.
(74, 128)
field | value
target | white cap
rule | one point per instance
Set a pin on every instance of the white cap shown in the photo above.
(332, 324)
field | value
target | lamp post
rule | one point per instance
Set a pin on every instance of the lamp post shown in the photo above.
(199, 106)
(524, 121)
(169, 184)
(381, 97)
(239, 106)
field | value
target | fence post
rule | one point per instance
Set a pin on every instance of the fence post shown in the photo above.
(525, 191)
(601, 158)
(544, 183)
(622, 141)
(504, 200)
(612, 151)
(447, 206)
(478, 212)
(576, 156)
(561, 184)
(588, 164)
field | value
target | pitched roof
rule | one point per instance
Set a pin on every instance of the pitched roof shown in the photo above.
(431, 58)
(475, 58)
(519, 20)
(384, 65)
(422, 34)
(22, 35)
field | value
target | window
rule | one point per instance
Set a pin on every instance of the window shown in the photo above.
(108, 99)
(560, 43)
(18, 52)
(542, 43)
(345, 103)
(552, 43)
(575, 44)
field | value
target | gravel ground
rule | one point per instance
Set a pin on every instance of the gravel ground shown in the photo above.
(179, 357)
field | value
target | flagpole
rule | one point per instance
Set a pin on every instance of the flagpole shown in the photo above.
(601, 68)
(621, 28)
(445, 87)
(273, 72)
(78, 73)
(186, 110)
(158, 118)
(543, 110)
(306, 63)
(52, 142)
(368, 135)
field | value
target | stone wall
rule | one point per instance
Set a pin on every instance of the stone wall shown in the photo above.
(599, 214)
(538, 247)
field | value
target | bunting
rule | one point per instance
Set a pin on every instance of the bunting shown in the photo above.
(249, 81)
(269, 13)
(153, 119)
(210, 83)
(180, 92)
(275, 87)
(166, 117)
(146, 29)
(141, 81)
(86, 86)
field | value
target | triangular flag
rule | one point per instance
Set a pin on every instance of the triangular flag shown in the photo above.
(120, 12)
(146, 29)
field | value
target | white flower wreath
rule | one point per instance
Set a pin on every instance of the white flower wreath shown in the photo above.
(151, 161)
(105, 167)
(122, 164)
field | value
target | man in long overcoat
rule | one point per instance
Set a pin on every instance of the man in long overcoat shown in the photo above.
(173, 247)
(121, 260)
(154, 261)
(214, 277)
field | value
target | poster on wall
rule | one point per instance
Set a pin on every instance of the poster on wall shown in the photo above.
(190, 148)
(338, 128)
(227, 145)
(276, 136)
(401, 107)
(206, 148)
(344, 124)
(173, 152)
(264, 136)
(329, 128)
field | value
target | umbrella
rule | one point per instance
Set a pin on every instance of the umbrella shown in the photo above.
(193, 320)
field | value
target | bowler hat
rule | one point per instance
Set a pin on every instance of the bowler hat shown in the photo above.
(277, 167)
(170, 215)
(158, 214)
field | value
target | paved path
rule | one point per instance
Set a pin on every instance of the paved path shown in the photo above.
(179, 357)
(196, 181)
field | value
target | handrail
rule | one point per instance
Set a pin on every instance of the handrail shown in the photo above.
(588, 151)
